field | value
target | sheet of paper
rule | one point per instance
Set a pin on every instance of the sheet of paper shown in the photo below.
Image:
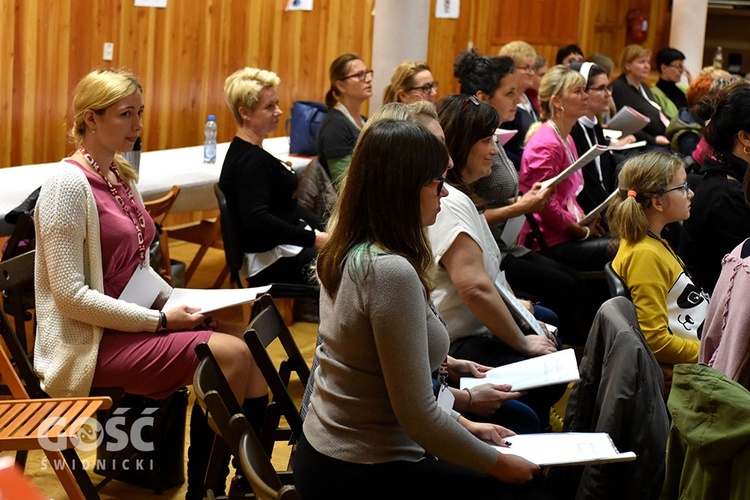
(628, 121)
(504, 135)
(213, 299)
(558, 367)
(516, 308)
(447, 9)
(599, 209)
(636, 144)
(512, 229)
(596, 150)
(143, 288)
(566, 448)
(611, 134)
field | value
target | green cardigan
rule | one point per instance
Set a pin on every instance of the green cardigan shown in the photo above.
(667, 106)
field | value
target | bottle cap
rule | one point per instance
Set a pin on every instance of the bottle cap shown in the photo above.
(211, 117)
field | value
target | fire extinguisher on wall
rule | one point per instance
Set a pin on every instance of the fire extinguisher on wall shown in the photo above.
(637, 26)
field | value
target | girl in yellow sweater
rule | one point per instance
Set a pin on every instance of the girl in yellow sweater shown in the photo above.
(671, 308)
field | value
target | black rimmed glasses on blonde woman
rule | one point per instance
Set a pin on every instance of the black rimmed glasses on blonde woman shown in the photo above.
(425, 89)
(684, 187)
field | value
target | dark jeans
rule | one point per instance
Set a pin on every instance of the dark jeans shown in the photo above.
(556, 286)
(589, 255)
(319, 476)
(491, 351)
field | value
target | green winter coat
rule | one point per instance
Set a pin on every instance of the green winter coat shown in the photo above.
(708, 451)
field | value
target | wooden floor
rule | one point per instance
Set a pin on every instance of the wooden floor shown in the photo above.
(231, 319)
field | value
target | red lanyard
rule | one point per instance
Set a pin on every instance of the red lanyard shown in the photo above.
(139, 222)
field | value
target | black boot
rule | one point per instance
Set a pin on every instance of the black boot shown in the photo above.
(199, 454)
(255, 411)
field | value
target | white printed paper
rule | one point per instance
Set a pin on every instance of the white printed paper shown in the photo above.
(565, 448)
(558, 367)
(447, 9)
(143, 288)
(209, 300)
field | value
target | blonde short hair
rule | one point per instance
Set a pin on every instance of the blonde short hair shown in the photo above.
(631, 53)
(556, 81)
(519, 51)
(242, 88)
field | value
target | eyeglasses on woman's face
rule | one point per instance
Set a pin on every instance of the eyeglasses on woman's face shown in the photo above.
(426, 88)
(441, 183)
(684, 187)
(362, 76)
(601, 88)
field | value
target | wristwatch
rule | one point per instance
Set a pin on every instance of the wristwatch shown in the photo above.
(162, 327)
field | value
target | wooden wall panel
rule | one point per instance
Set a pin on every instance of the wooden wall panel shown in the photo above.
(183, 53)
(487, 24)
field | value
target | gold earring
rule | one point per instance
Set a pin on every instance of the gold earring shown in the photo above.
(745, 149)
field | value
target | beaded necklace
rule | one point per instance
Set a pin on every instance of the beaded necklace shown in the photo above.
(139, 222)
(564, 142)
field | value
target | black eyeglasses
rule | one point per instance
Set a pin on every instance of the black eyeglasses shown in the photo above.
(601, 88)
(361, 75)
(685, 187)
(473, 100)
(441, 183)
(426, 88)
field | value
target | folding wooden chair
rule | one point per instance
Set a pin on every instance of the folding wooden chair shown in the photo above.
(266, 326)
(257, 468)
(36, 422)
(213, 394)
(158, 210)
(235, 256)
(206, 234)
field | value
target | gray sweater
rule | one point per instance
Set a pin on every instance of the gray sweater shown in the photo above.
(373, 400)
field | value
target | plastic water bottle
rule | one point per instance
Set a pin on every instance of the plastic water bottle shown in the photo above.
(718, 58)
(209, 144)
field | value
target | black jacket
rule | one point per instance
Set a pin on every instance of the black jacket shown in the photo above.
(620, 392)
(626, 95)
(719, 219)
(594, 191)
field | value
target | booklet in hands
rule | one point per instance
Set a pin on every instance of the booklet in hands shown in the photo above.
(565, 448)
(558, 367)
(628, 121)
(599, 209)
(595, 151)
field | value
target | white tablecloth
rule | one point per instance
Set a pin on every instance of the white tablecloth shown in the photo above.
(159, 171)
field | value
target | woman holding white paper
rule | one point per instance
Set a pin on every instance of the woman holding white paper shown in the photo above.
(481, 325)
(373, 419)
(630, 89)
(599, 175)
(93, 235)
(548, 153)
(493, 81)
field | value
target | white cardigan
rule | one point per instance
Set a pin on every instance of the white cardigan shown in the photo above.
(71, 308)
